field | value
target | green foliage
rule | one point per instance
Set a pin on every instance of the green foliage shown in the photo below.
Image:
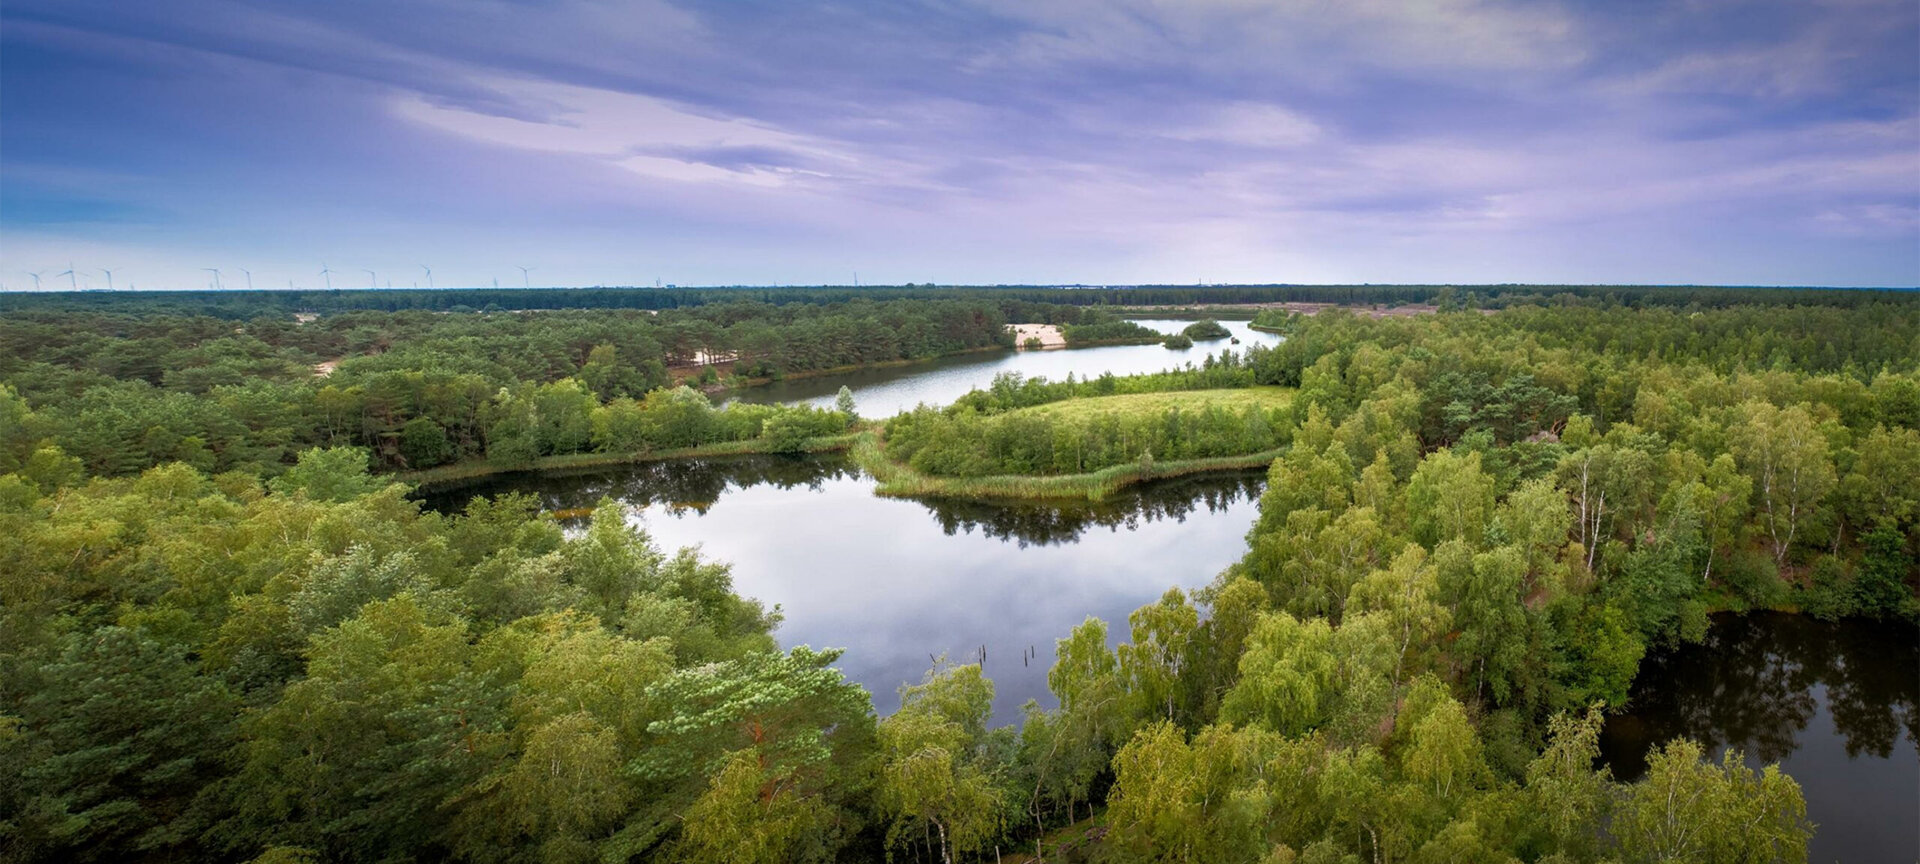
(1480, 524)
(1690, 810)
(331, 474)
(1206, 330)
(937, 769)
(1083, 436)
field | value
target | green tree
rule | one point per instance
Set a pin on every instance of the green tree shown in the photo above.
(330, 474)
(1785, 453)
(934, 771)
(1150, 665)
(1286, 676)
(1449, 498)
(1189, 802)
(424, 443)
(1688, 809)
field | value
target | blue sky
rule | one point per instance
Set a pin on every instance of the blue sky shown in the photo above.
(985, 141)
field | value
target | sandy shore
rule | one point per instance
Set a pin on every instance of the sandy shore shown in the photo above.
(1050, 335)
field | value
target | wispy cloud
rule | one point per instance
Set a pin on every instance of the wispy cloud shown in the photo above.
(976, 139)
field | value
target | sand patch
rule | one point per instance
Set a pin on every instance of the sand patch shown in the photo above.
(1050, 335)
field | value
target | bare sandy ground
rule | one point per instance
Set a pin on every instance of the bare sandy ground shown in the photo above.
(324, 368)
(1049, 335)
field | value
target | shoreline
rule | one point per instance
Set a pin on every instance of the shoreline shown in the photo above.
(750, 383)
(446, 478)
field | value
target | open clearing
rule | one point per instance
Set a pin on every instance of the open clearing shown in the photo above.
(1050, 335)
(1233, 399)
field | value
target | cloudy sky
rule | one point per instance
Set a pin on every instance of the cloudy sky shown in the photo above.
(960, 141)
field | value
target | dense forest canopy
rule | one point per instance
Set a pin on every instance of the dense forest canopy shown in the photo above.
(226, 636)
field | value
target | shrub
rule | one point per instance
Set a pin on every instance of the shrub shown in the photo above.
(1206, 331)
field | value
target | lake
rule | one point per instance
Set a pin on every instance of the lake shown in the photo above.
(884, 392)
(898, 582)
(1837, 704)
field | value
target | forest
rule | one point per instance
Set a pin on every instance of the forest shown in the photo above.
(229, 633)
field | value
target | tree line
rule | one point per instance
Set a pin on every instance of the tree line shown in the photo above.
(250, 304)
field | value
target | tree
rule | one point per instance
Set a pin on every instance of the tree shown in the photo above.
(1441, 749)
(119, 737)
(1486, 602)
(1786, 455)
(753, 815)
(330, 474)
(1150, 665)
(933, 771)
(1565, 797)
(1084, 678)
(1687, 809)
(424, 443)
(843, 403)
(1449, 498)
(1175, 801)
(1286, 676)
(1606, 482)
(1407, 596)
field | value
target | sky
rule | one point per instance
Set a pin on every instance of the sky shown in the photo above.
(959, 142)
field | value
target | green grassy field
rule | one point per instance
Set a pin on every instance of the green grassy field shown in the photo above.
(1075, 410)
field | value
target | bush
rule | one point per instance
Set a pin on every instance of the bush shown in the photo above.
(1829, 592)
(1206, 331)
(1754, 579)
(1177, 342)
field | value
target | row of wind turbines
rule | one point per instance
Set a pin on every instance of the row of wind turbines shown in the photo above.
(73, 276)
(73, 273)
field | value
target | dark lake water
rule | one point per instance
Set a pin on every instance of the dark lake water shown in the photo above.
(1836, 704)
(886, 392)
(897, 581)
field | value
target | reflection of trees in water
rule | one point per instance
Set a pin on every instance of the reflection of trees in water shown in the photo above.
(1049, 523)
(678, 484)
(1751, 685)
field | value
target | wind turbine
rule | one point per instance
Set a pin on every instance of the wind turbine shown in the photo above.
(524, 282)
(216, 277)
(109, 272)
(249, 277)
(36, 278)
(327, 273)
(72, 279)
(429, 275)
(372, 278)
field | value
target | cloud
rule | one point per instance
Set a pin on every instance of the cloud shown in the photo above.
(987, 137)
(643, 134)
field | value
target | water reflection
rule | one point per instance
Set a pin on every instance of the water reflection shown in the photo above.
(888, 391)
(893, 586)
(675, 485)
(1834, 703)
(1066, 522)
